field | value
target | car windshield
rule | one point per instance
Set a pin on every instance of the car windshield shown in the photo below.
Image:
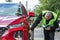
(8, 9)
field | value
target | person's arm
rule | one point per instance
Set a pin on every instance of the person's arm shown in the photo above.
(37, 21)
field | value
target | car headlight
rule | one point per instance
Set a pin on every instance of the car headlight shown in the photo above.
(16, 25)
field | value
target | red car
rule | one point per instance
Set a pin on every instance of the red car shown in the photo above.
(13, 18)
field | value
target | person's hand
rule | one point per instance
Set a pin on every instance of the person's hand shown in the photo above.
(48, 28)
(30, 31)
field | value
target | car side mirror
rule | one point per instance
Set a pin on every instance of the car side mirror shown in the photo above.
(31, 14)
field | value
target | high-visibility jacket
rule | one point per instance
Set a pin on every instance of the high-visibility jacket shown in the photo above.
(51, 22)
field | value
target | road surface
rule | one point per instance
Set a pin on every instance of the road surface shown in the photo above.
(38, 34)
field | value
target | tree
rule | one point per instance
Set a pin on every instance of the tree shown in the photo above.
(53, 5)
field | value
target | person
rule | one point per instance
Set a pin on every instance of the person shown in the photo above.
(49, 24)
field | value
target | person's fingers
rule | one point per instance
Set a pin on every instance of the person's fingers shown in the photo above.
(30, 31)
(48, 28)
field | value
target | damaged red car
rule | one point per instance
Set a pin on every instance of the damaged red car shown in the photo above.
(13, 18)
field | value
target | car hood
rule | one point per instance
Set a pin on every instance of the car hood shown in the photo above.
(6, 20)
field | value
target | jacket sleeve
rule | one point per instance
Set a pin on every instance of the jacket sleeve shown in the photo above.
(37, 21)
(56, 25)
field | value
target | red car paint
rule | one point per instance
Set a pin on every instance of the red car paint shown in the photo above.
(31, 14)
(8, 35)
(12, 20)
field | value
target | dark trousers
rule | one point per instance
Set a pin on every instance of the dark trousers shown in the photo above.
(49, 35)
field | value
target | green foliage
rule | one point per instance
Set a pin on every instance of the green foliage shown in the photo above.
(37, 10)
(53, 5)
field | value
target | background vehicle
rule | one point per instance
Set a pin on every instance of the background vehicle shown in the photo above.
(58, 29)
(13, 18)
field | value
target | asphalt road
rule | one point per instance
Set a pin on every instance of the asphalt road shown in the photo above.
(38, 34)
